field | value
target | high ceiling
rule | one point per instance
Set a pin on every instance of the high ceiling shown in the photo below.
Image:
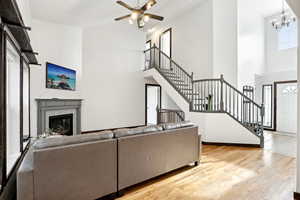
(96, 12)
(265, 7)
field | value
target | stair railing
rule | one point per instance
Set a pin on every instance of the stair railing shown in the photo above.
(174, 73)
(208, 95)
(170, 116)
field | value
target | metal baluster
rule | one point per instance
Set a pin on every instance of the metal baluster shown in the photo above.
(214, 95)
(222, 93)
(234, 103)
(238, 104)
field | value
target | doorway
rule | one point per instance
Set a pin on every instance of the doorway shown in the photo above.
(285, 107)
(153, 102)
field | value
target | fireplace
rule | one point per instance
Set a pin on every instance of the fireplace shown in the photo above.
(59, 115)
(61, 124)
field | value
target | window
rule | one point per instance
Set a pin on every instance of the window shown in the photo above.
(165, 45)
(148, 54)
(26, 103)
(288, 37)
(165, 42)
(13, 107)
(267, 101)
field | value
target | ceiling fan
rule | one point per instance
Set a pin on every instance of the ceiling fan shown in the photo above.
(138, 13)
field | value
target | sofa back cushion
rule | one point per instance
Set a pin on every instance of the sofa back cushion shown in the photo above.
(119, 133)
(69, 140)
(186, 124)
(170, 126)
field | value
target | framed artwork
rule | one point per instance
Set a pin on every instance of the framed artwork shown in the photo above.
(58, 77)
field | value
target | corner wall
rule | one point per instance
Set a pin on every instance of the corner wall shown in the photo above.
(191, 39)
(225, 39)
(58, 44)
(113, 83)
(295, 6)
(277, 60)
(251, 43)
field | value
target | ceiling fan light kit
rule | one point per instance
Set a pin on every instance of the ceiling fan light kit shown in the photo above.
(138, 14)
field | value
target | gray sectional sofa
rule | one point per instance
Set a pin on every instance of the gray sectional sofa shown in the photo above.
(94, 165)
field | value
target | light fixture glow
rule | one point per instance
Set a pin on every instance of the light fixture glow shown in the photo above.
(146, 18)
(149, 5)
(130, 21)
(134, 15)
(151, 30)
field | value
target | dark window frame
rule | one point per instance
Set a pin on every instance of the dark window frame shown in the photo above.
(263, 100)
(5, 37)
(29, 99)
(171, 44)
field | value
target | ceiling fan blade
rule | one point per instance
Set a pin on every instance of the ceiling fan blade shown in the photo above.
(123, 17)
(155, 17)
(148, 5)
(125, 5)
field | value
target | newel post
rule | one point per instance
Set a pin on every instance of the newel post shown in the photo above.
(192, 82)
(262, 114)
(222, 93)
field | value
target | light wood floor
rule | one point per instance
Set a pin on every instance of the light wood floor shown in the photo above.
(225, 173)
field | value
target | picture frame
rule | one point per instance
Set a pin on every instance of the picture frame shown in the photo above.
(61, 78)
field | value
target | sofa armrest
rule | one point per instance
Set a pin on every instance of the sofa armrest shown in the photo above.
(25, 178)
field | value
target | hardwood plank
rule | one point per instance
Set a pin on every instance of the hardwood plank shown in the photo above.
(225, 173)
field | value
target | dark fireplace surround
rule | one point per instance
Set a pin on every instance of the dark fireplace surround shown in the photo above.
(55, 114)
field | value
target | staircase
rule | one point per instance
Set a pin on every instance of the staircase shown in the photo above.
(208, 95)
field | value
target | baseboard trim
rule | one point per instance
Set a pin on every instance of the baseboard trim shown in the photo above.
(231, 144)
(95, 131)
(296, 195)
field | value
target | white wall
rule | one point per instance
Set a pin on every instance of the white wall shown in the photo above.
(205, 39)
(225, 44)
(191, 39)
(221, 128)
(251, 43)
(295, 6)
(58, 44)
(277, 60)
(113, 84)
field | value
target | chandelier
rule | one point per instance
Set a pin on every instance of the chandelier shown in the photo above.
(284, 19)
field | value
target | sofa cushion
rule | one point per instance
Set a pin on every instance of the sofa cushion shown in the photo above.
(135, 131)
(152, 128)
(169, 126)
(68, 140)
(127, 132)
(186, 124)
